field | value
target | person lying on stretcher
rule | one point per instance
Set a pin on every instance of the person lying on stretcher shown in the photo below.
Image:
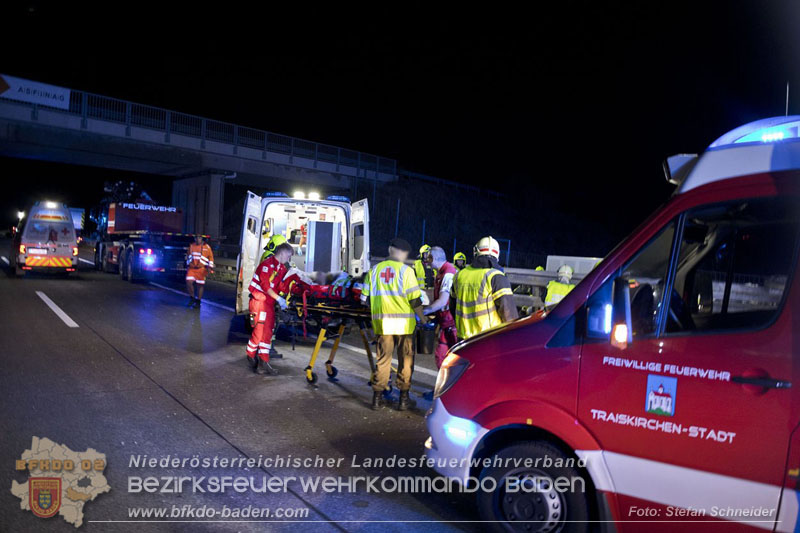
(335, 286)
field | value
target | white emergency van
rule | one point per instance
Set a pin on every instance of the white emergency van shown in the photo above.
(46, 241)
(330, 235)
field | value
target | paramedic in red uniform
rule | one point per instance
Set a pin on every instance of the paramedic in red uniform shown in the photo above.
(265, 289)
(199, 260)
(442, 285)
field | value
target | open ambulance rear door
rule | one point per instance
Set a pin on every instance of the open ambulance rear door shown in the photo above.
(358, 239)
(249, 253)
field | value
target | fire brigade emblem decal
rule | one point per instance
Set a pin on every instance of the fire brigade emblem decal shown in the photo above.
(44, 495)
(661, 395)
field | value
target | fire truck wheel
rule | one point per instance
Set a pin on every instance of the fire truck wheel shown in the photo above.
(121, 270)
(526, 498)
(131, 272)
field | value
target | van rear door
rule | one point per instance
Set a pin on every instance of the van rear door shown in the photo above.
(358, 239)
(248, 253)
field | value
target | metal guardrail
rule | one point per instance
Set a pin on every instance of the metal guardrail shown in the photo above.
(98, 107)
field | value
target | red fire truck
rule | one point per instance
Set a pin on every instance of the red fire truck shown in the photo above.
(139, 240)
(658, 395)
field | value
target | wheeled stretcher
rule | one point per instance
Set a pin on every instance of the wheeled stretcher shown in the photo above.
(331, 308)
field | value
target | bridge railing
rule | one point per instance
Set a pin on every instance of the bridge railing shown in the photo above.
(98, 107)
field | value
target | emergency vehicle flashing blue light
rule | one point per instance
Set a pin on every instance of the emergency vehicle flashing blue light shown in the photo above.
(607, 319)
(768, 130)
(149, 260)
(768, 135)
(336, 198)
(772, 136)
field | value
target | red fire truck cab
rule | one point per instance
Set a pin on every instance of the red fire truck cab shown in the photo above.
(658, 394)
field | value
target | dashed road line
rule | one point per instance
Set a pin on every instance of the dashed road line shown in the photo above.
(57, 310)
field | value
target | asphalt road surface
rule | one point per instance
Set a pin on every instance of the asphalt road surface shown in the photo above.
(128, 369)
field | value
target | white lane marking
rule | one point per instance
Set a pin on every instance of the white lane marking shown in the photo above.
(86, 261)
(5, 260)
(57, 310)
(417, 368)
(182, 293)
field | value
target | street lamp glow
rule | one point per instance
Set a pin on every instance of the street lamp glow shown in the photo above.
(20, 215)
(299, 195)
(313, 196)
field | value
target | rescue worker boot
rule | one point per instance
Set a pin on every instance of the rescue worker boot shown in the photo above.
(191, 301)
(406, 402)
(377, 401)
(252, 362)
(267, 368)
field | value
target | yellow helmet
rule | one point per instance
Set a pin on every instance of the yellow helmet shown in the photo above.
(424, 249)
(459, 257)
(275, 241)
(488, 246)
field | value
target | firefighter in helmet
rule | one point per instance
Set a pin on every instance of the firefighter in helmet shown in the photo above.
(482, 292)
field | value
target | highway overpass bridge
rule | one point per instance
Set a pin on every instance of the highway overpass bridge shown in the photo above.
(57, 124)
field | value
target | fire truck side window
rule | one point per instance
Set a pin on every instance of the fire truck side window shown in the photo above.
(647, 274)
(735, 262)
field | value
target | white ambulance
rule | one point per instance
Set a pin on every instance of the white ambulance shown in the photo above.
(46, 241)
(330, 235)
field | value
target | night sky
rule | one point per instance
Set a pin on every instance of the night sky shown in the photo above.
(583, 99)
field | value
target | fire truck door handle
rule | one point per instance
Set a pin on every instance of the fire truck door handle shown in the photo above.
(767, 383)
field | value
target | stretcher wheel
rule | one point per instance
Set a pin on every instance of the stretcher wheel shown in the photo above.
(311, 377)
(331, 370)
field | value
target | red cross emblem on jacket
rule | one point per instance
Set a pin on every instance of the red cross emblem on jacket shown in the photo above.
(387, 275)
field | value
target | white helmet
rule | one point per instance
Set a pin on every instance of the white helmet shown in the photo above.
(488, 246)
(565, 271)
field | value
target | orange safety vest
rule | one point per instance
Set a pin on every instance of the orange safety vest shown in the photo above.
(200, 255)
